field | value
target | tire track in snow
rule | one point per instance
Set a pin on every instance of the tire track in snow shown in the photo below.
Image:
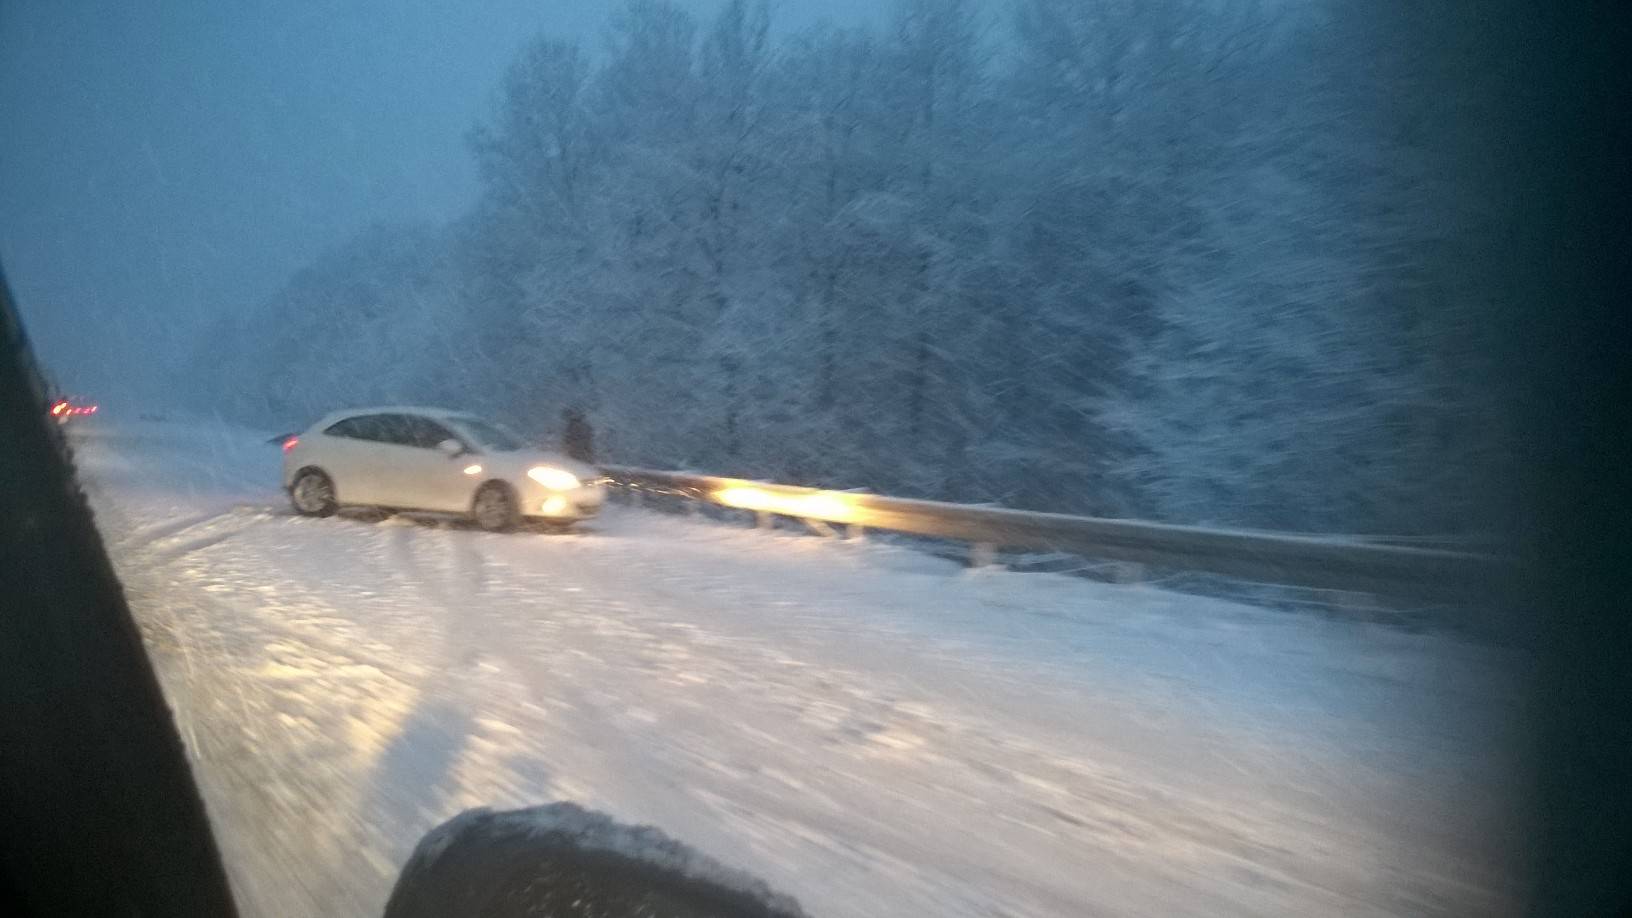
(153, 538)
(476, 637)
(458, 565)
(471, 562)
(173, 528)
(413, 568)
(218, 528)
(177, 552)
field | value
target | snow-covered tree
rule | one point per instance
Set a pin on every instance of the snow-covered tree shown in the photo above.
(1201, 260)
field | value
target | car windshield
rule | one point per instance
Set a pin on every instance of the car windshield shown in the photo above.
(489, 435)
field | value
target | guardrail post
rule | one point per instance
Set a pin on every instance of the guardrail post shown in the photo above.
(982, 554)
(820, 528)
(764, 520)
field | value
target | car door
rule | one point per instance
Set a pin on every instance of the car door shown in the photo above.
(397, 465)
(435, 480)
(347, 453)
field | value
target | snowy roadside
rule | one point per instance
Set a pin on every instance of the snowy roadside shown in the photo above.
(874, 731)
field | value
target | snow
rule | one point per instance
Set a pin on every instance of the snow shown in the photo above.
(873, 731)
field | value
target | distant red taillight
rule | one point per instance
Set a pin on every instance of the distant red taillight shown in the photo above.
(289, 443)
(59, 407)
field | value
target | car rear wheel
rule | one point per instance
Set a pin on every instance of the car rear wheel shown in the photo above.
(494, 508)
(313, 494)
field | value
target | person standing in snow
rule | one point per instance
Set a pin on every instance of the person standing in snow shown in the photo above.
(577, 438)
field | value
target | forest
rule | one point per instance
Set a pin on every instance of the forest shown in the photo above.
(1204, 261)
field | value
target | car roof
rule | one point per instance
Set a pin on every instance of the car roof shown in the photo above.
(441, 413)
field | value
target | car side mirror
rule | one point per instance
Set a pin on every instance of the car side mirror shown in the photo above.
(566, 861)
(451, 448)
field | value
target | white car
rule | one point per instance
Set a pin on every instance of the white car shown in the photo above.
(428, 459)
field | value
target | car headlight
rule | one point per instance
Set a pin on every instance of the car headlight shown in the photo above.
(554, 479)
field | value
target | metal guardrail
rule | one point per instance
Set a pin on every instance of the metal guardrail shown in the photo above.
(1294, 560)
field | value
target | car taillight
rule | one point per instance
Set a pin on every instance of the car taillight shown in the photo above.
(59, 407)
(289, 443)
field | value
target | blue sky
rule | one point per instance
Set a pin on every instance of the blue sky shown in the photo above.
(166, 161)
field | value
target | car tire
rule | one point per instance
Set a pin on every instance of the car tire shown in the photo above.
(494, 508)
(312, 494)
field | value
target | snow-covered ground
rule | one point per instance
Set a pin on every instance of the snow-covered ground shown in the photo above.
(874, 731)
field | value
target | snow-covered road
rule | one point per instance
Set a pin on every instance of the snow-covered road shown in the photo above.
(875, 731)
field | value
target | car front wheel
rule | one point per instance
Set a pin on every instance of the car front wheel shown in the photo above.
(313, 494)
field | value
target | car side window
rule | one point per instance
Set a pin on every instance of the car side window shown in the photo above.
(395, 429)
(426, 433)
(348, 427)
(362, 427)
